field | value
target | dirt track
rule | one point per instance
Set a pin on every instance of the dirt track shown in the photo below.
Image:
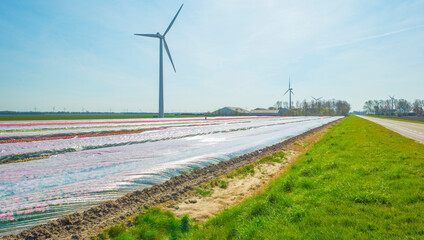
(87, 224)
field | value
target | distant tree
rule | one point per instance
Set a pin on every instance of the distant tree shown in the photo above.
(342, 108)
(368, 106)
(325, 111)
(278, 104)
(376, 105)
(403, 106)
(298, 105)
(386, 106)
(325, 108)
(305, 108)
(417, 107)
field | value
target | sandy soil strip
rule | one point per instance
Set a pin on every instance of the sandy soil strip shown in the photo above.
(87, 224)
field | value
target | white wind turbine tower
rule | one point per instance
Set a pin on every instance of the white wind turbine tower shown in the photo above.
(393, 100)
(162, 42)
(290, 91)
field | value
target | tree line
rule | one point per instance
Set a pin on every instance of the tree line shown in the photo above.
(315, 108)
(399, 107)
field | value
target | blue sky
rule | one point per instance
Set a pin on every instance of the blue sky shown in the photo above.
(83, 54)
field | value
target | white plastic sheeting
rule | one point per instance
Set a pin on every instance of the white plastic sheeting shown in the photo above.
(106, 167)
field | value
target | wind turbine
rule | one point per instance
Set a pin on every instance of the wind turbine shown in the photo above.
(316, 99)
(290, 90)
(162, 42)
(393, 100)
(316, 102)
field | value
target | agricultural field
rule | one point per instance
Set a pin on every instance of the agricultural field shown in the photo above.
(52, 168)
(360, 181)
(72, 116)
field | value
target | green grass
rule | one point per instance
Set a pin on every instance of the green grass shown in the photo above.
(360, 181)
(154, 224)
(397, 119)
(83, 116)
(277, 157)
(242, 172)
(203, 192)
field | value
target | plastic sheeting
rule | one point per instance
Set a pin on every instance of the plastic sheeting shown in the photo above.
(107, 167)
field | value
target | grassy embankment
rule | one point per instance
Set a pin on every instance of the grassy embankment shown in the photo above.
(84, 116)
(410, 119)
(360, 181)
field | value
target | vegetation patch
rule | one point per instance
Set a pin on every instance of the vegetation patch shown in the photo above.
(277, 157)
(203, 192)
(154, 224)
(242, 172)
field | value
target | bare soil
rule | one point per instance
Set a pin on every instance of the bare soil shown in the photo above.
(89, 223)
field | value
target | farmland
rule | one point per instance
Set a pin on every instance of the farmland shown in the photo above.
(361, 181)
(51, 168)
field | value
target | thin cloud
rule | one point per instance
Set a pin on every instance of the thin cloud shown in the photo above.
(371, 37)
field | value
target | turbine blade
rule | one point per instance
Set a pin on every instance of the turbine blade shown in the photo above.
(147, 35)
(172, 22)
(169, 54)
(292, 92)
(286, 91)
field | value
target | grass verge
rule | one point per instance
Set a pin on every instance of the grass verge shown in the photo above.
(360, 181)
(411, 119)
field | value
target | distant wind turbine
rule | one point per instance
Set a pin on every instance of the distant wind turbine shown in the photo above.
(316, 102)
(290, 91)
(162, 41)
(316, 99)
(393, 100)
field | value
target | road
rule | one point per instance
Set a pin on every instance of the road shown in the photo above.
(408, 129)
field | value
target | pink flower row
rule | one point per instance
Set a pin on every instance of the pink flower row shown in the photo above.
(113, 122)
(76, 136)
